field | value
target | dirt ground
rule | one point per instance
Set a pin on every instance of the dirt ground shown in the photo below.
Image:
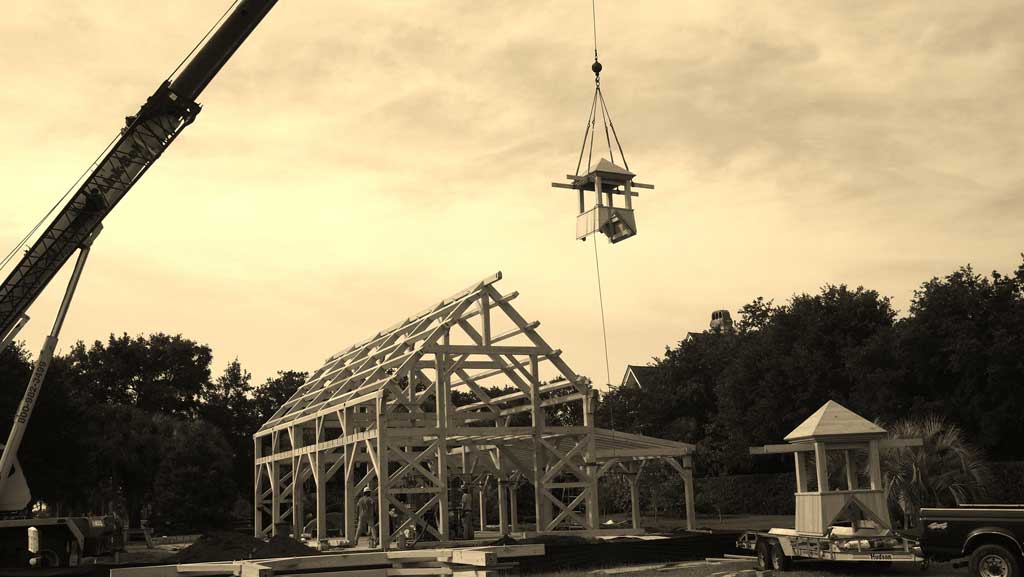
(138, 554)
(172, 553)
(215, 546)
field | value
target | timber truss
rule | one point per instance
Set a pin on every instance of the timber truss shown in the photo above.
(381, 415)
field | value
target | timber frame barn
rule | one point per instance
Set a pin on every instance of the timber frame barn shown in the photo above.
(380, 415)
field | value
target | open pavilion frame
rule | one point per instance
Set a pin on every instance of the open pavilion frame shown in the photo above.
(380, 414)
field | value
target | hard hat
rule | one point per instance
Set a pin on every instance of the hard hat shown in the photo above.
(366, 489)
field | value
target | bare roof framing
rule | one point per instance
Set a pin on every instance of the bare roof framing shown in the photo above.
(379, 414)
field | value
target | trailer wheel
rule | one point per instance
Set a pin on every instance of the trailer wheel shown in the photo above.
(47, 558)
(74, 554)
(764, 555)
(780, 560)
(994, 561)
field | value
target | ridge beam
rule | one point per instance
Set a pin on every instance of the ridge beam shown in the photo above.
(486, 349)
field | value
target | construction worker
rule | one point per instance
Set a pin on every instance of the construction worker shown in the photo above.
(366, 509)
(466, 513)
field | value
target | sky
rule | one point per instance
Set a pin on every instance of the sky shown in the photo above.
(356, 162)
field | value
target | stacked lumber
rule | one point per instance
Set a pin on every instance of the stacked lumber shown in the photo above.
(453, 562)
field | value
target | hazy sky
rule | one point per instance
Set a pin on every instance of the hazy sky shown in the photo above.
(358, 161)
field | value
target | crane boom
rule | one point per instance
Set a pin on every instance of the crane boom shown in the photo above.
(145, 137)
(141, 142)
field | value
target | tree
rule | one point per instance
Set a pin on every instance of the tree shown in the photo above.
(95, 439)
(56, 454)
(273, 393)
(15, 369)
(962, 346)
(789, 360)
(193, 486)
(227, 404)
(676, 399)
(127, 443)
(559, 415)
(620, 408)
(159, 373)
(944, 472)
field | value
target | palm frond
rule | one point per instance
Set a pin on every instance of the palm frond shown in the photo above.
(945, 470)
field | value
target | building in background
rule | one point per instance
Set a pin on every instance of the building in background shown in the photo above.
(638, 375)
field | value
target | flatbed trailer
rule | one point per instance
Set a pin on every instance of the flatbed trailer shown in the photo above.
(838, 517)
(777, 549)
(62, 541)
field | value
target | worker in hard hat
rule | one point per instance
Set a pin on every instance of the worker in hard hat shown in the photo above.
(366, 509)
(466, 512)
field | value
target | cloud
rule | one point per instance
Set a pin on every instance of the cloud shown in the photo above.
(357, 161)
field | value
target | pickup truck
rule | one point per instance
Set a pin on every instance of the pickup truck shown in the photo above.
(991, 537)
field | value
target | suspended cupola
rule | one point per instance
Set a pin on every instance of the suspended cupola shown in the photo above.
(606, 179)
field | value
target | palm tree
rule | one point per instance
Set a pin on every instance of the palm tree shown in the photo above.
(946, 471)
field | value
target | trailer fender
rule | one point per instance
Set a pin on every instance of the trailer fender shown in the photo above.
(787, 545)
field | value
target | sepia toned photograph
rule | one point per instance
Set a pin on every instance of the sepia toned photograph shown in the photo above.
(532, 288)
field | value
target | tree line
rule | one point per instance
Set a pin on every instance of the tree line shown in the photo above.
(139, 426)
(956, 355)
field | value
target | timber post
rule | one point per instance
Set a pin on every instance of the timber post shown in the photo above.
(383, 418)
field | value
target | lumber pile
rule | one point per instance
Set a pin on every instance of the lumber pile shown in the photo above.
(453, 562)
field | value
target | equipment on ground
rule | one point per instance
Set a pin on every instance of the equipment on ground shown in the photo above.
(142, 140)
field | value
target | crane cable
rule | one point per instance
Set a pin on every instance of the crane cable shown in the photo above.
(95, 163)
(610, 133)
(591, 129)
(604, 329)
(24, 241)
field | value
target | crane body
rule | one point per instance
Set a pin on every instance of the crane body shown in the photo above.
(142, 141)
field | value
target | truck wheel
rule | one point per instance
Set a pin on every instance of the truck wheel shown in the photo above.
(764, 556)
(994, 561)
(781, 561)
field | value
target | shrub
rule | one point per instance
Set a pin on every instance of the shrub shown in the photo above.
(761, 494)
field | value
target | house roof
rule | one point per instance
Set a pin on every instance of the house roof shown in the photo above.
(833, 420)
(643, 374)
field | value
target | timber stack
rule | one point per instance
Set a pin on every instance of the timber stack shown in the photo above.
(454, 562)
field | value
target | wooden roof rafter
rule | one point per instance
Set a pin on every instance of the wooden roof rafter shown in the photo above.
(381, 362)
(383, 413)
(340, 372)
